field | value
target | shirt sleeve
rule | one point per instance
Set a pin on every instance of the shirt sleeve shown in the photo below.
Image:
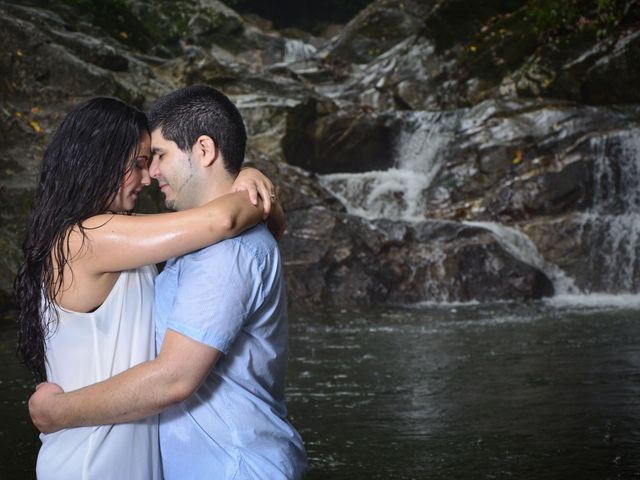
(217, 289)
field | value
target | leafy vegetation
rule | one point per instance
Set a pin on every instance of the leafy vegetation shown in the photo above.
(557, 17)
(548, 29)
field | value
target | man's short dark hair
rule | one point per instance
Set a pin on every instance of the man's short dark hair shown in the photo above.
(188, 113)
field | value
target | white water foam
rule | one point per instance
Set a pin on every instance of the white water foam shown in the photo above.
(297, 51)
(394, 193)
(399, 193)
(596, 300)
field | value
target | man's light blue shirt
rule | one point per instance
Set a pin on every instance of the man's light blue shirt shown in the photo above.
(231, 297)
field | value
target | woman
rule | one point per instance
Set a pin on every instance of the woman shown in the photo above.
(85, 290)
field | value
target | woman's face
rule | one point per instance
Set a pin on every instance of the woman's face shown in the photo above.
(135, 178)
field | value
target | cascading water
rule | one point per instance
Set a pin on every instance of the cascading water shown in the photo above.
(522, 248)
(297, 51)
(399, 193)
(612, 226)
(608, 231)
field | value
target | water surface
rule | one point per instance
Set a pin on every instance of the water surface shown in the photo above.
(473, 392)
(440, 392)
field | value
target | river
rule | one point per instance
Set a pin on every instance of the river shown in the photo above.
(522, 391)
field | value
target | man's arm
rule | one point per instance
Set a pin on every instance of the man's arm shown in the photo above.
(146, 389)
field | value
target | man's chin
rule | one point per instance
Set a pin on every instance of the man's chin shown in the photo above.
(169, 204)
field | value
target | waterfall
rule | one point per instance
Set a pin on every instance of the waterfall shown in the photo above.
(609, 232)
(616, 172)
(521, 247)
(297, 51)
(612, 226)
(605, 236)
(399, 193)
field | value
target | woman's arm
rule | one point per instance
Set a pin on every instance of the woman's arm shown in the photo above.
(276, 221)
(259, 186)
(115, 243)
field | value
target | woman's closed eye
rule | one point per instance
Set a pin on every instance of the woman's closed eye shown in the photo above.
(142, 163)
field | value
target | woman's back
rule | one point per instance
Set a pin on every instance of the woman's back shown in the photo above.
(90, 347)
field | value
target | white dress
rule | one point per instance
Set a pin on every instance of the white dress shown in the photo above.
(87, 348)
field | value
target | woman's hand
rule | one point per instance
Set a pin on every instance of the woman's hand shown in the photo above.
(253, 181)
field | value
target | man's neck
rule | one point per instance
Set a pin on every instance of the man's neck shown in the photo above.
(215, 189)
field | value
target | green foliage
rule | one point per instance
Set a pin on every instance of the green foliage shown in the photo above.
(553, 14)
(611, 13)
(558, 17)
(553, 29)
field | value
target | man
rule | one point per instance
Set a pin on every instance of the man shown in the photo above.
(221, 326)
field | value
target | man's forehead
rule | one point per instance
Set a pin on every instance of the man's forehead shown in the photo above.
(158, 142)
(156, 134)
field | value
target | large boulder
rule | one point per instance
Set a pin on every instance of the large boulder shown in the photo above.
(377, 28)
(354, 141)
(342, 259)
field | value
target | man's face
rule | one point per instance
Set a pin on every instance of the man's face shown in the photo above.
(174, 171)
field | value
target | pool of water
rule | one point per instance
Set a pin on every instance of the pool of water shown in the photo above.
(472, 392)
(446, 392)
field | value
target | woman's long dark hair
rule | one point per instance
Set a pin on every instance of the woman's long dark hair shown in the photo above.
(82, 170)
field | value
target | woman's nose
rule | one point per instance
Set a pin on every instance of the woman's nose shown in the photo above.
(146, 177)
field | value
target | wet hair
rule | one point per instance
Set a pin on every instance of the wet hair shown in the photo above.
(186, 114)
(81, 173)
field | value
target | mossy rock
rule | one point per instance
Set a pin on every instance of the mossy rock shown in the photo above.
(548, 48)
(150, 27)
(376, 29)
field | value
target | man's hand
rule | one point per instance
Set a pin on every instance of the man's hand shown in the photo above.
(41, 407)
(254, 182)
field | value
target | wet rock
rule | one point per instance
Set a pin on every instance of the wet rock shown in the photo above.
(169, 25)
(339, 142)
(611, 78)
(547, 193)
(516, 159)
(331, 257)
(597, 252)
(409, 76)
(375, 30)
(16, 207)
(598, 74)
(344, 260)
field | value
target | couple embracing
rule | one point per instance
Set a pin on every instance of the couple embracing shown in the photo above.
(181, 375)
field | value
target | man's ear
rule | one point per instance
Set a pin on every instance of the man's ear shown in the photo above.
(206, 150)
